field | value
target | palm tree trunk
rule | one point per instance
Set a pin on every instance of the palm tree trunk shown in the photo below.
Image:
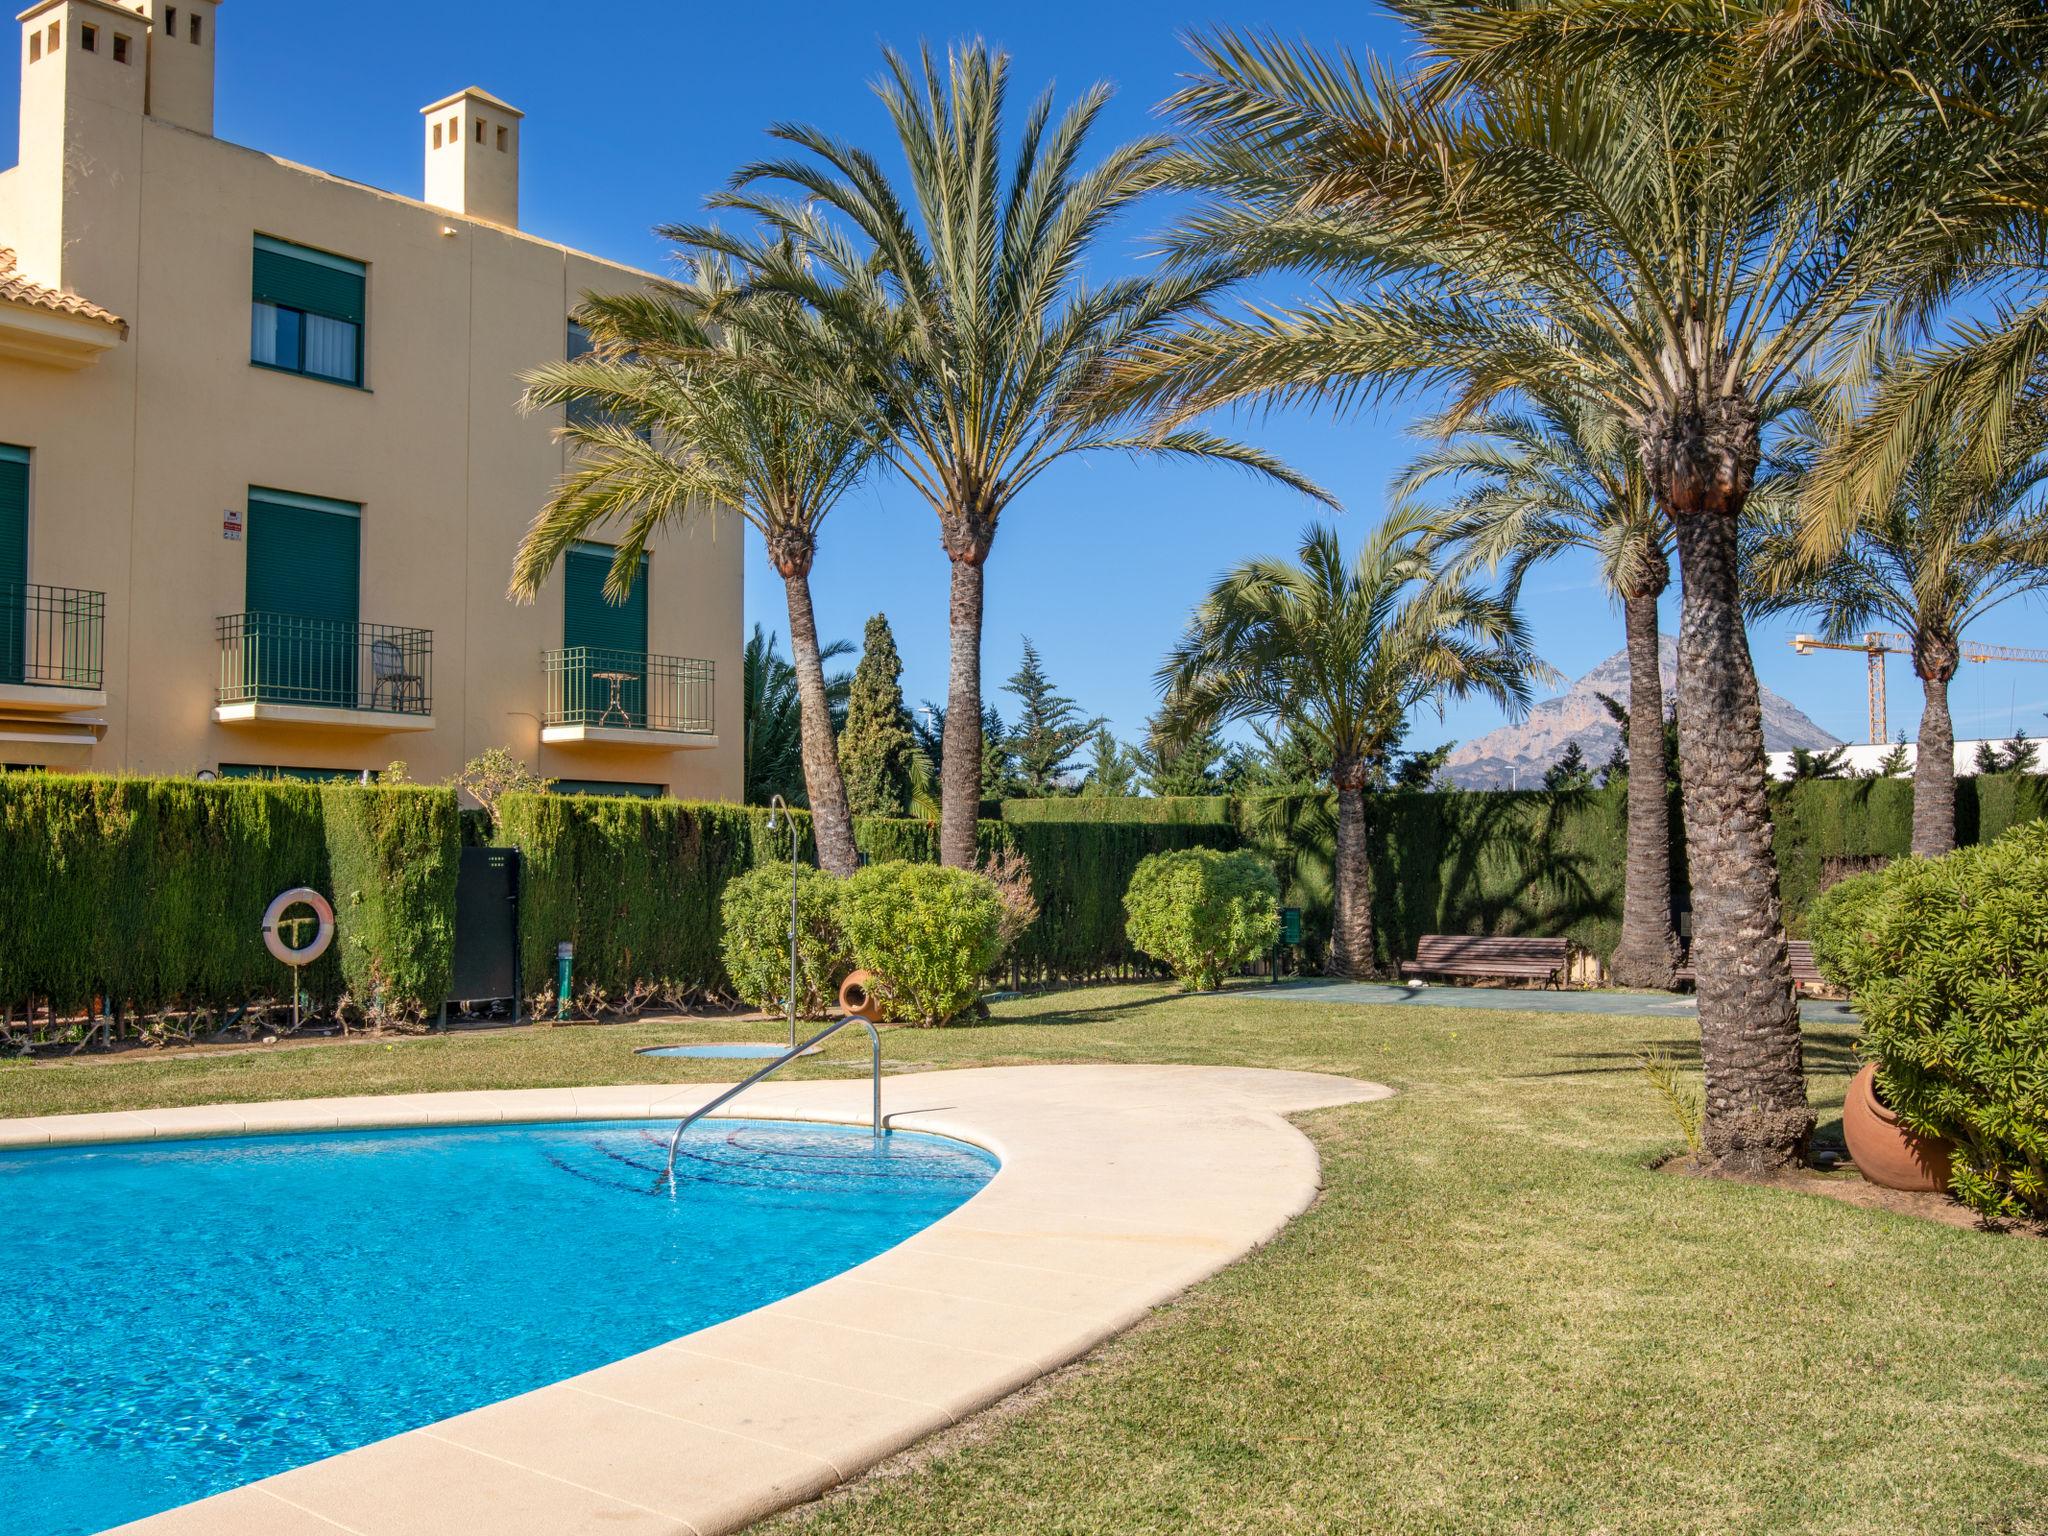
(831, 820)
(1934, 768)
(1351, 947)
(1647, 955)
(960, 752)
(1756, 1115)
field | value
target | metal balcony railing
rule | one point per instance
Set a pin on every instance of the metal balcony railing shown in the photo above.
(630, 690)
(51, 637)
(280, 658)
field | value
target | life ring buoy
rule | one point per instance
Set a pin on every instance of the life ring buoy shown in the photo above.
(323, 934)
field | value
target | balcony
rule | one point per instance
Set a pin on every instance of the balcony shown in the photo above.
(280, 669)
(51, 649)
(600, 697)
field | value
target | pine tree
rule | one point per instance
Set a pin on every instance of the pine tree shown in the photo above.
(875, 747)
(1049, 731)
(998, 767)
(1113, 771)
(1192, 769)
(1570, 771)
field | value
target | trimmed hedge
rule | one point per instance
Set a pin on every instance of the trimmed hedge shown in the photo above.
(152, 891)
(635, 885)
(392, 856)
(1175, 810)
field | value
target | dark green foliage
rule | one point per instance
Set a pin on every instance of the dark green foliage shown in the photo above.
(772, 746)
(152, 891)
(1112, 766)
(1947, 961)
(929, 935)
(1049, 729)
(1203, 913)
(1079, 872)
(392, 857)
(754, 937)
(1176, 810)
(634, 884)
(1570, 771)
(1818, 765)
(1179, 767)
(875, 747)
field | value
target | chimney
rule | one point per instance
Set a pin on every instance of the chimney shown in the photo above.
(472, 147)
(181, 50)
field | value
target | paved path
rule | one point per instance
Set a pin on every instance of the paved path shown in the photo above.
(1663, 1005)
(1119, 1188)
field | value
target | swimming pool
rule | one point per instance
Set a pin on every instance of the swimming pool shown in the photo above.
(187, 1316)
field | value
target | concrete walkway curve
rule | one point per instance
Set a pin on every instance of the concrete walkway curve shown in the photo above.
(1120, 1186)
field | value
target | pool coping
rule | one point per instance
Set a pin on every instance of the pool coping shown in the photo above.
(1119, 1187)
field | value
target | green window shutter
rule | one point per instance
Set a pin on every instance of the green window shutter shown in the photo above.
(588, 619)
(303, 569)
(13, 516)
(13, 561)
(304, 556)
(300, 278)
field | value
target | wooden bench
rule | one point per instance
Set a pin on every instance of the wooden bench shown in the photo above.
(1459, 954)
(1798, 953)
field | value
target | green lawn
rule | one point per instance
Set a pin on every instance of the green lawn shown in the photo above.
(1496, 1320)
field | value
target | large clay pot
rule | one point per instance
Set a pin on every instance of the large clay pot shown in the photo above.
(1884, 1151)
(857, 997)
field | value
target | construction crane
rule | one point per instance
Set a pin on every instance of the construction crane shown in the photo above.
(1880, 643)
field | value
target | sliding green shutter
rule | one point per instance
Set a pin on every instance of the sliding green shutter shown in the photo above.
(614, 636)
(13, 560)
(304, 564)
(300, 278)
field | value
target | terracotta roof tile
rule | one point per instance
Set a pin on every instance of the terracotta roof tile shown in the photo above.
(17, 289)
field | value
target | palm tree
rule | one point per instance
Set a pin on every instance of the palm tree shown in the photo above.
(1528, 485)
(1672, 210)
(961, 304)
(1338, 653)
(676, 418)
(1965, 529)
(772, 717)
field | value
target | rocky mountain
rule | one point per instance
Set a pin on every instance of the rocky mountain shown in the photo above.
(1520, 753)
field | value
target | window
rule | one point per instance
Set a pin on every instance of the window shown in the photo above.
(605, 787)
(307, 312)
(195, 26)
(13, 561)
(171, 23)
(89, 39)
(298, 775)
(585, 413)
(479, 130)
(35, 46)
(120, 47)
(437, 135)
(56, 35)
(504, 140)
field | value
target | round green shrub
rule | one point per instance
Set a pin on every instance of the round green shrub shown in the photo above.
(1947, 962)
(929, 934)
(755, 938)
(1205, 914)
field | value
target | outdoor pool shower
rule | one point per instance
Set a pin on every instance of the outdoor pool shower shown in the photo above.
(859, 1004)
(778, 807)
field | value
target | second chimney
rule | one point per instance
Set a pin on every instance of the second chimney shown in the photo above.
(472, 147)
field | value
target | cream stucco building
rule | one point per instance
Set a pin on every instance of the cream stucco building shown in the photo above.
(261, 471)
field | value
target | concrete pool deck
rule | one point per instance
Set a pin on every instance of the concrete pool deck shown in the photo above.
(1119, 1188)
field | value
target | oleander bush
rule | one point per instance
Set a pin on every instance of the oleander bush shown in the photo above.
(929, 934)
(1204, 913)
(1947, 962)
(755, 939)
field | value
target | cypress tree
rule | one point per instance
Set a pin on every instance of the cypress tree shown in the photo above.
(874, 748)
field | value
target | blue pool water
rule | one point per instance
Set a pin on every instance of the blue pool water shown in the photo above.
(186, 1316)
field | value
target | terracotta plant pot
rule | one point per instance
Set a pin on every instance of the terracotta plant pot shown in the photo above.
(1884, 1151)
(857, 997)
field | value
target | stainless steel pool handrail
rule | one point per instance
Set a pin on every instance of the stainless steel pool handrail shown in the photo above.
(668, 1174)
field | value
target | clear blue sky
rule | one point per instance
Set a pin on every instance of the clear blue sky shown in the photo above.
(637, 108)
